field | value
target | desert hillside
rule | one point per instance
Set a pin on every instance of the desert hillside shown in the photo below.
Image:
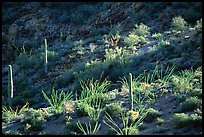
(102, 68)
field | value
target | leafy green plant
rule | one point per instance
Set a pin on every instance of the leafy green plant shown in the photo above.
(178, 23)
(57, 101)
(183, 120)
(89, 130)
(191, 104)
(128, 128)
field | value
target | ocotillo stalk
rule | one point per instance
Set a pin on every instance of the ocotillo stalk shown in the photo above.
(45, 56)
(130, 93)
(10, 86)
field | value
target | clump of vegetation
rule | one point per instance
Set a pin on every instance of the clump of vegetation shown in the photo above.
(89, 130)
(113, 109)
(178, 23)
(160, 121)
(33, 119)
(186, 120)
(141, 29)
(83, 109)
(57, 101)
(128, 128)
(10, 114)
(151, 115)
(191, 104)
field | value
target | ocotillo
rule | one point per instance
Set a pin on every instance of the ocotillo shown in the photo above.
(10, 86)
(130, 93)
(45, 57)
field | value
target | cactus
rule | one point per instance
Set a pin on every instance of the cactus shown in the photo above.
(45, 56)
(10, 86)
(130, 93)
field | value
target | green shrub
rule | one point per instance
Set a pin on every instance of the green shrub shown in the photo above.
(7, 116)
(113, 109)
(83, 109)
(34, 118)
(196, 92)
(198, 24)
(160, 121)
(191, 104)
(141, 30)
(178, 23)
(187, 120)
(134, 40)
(151, 115)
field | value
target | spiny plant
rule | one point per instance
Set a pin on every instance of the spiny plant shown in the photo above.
(92, 91)
(158, 75)
(10, 85)
(9, 114)
(128, 128)
(183, 81)
(15, 112)
(89, 130)
(57, 101)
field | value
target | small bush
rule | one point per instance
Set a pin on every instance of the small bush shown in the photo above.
(7, 117)
(113, 109)
(151, 115)
(133, 40)
(141, 30)
(191, 104)
(187, 120)
(34, 118)
(196, 92)
(178, 23)
(83, 109)
(160, 121)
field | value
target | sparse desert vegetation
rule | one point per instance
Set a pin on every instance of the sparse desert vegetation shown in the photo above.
(102, 68)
